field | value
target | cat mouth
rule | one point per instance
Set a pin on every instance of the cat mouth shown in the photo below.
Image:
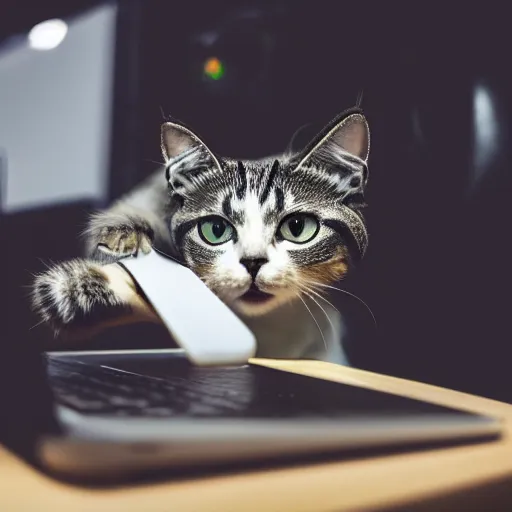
(255, 296)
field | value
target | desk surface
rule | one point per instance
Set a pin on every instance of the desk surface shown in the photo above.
(442, 479)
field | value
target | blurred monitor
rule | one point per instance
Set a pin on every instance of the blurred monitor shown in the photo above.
(56, 104)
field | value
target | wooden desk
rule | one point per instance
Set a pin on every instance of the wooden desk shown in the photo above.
(461, 478)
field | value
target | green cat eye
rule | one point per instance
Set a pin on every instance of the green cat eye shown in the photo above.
(299, 228)
(215, 230)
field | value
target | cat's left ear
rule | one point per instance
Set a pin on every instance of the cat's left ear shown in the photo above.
(186, 156)
(344, 143)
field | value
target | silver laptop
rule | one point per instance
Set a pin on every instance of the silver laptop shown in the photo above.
(103, 416)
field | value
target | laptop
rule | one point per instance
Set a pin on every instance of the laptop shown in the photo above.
(117, 415)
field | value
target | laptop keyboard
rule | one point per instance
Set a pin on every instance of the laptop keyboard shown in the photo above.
(96, 389)
(171, 386)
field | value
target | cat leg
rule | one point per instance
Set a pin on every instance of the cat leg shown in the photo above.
(132, 224)
(79, 298)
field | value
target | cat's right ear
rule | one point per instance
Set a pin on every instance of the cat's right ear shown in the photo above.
(186, 155)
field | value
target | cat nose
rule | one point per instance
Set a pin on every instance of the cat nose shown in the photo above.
(253, 265)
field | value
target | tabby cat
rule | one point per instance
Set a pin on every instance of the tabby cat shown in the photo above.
(268, 237)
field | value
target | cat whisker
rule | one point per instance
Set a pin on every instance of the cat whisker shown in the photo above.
(316, 322)
(154, 162)
(324, 312)
(350, 295)
(38, 324)
(320, 296)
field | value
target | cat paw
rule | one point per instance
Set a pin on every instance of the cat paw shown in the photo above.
(111, 242)
(124, 240)
(74, 294)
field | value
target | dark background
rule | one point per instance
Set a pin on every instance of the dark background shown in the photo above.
(437, 274)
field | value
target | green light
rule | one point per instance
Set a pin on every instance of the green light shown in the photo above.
(213, 68)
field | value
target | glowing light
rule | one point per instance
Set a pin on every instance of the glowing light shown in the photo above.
(213, 68)
(47, 35)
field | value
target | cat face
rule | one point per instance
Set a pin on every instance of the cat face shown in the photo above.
(261, 233)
